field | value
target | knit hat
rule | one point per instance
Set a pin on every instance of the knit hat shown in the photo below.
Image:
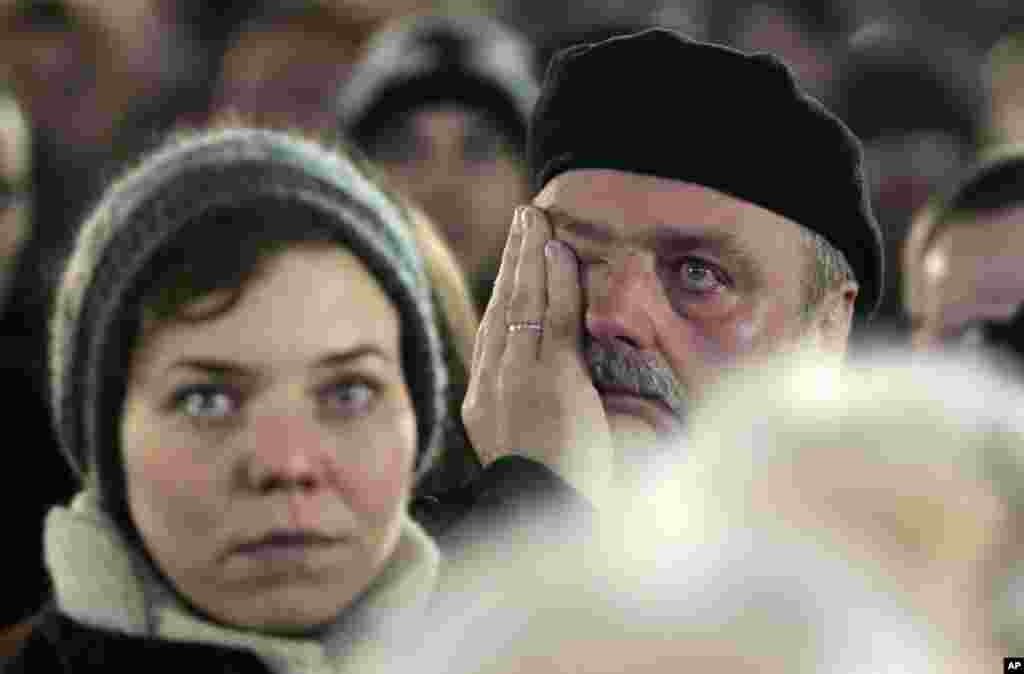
(471, 60)
(95, 321)
(730, 121)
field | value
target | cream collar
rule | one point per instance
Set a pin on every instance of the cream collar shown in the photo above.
(101, 581)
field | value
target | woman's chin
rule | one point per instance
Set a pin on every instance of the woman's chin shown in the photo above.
(290, 613)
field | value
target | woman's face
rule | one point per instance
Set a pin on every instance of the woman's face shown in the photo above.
(269, 450)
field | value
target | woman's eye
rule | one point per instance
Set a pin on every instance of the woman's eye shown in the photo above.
(204, 402)
(351, 397)
(699, 277)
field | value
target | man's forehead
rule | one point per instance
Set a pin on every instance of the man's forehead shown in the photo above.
(605, 205)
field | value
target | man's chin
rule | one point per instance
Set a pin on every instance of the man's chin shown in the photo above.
(632, 432)
(639, 447)
(634, 411)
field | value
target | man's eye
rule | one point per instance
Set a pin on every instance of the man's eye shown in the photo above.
(349, 398)
(699, 277)
(204, 402)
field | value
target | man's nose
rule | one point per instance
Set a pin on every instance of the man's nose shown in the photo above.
(286, 452)
(619, 297)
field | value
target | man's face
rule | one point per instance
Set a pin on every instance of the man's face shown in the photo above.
(680, 282)
(971, 273)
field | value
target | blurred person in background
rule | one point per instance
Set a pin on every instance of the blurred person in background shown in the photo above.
(653, 259)
(284, 61)
(89, 74)
(442, 104)
(16, 186)
(283, 64)
(908, 468)
(80, 65)
(807, 36)
(633, 599)
(1003, 74)
(22, 329)
(963, 281)
(919, 123)
(244, 484)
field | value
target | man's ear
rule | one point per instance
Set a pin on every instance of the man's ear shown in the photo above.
(834, 318)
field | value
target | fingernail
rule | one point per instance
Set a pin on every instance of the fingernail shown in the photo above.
(517, 220)
(528, 218)
(556, 251)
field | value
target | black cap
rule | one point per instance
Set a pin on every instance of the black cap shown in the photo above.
(661, 104)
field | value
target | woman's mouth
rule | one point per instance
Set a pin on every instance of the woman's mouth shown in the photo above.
(285, 546)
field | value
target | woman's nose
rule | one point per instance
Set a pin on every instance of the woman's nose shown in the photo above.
(287, 452)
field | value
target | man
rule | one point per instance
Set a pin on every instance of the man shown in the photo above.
(682, 226)
(963, 260)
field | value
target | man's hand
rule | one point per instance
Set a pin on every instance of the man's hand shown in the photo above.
(530, 393)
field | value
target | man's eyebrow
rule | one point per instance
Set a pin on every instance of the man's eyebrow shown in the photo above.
(664, 238)
(585, 229)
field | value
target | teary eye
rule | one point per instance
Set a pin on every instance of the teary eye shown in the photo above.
(700, 277)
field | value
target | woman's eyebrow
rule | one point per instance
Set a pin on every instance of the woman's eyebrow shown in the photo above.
(340, 358)
(213, 366)
(229, 369)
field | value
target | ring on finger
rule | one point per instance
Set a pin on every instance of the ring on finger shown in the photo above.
(535, 326)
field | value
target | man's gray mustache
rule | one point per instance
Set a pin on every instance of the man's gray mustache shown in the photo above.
(623, 368)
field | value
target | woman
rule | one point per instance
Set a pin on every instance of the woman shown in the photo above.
(247, 377)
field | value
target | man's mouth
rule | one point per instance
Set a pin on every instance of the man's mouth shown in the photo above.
(652, 410)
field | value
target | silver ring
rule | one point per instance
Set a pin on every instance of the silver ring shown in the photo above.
(526, 325)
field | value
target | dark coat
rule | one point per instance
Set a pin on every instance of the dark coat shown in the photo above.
(59, 644)
(512, 492)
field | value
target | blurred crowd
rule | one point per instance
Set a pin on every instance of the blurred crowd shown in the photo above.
(891, 499)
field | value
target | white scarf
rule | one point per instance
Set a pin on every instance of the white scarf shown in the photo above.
(99, 580)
